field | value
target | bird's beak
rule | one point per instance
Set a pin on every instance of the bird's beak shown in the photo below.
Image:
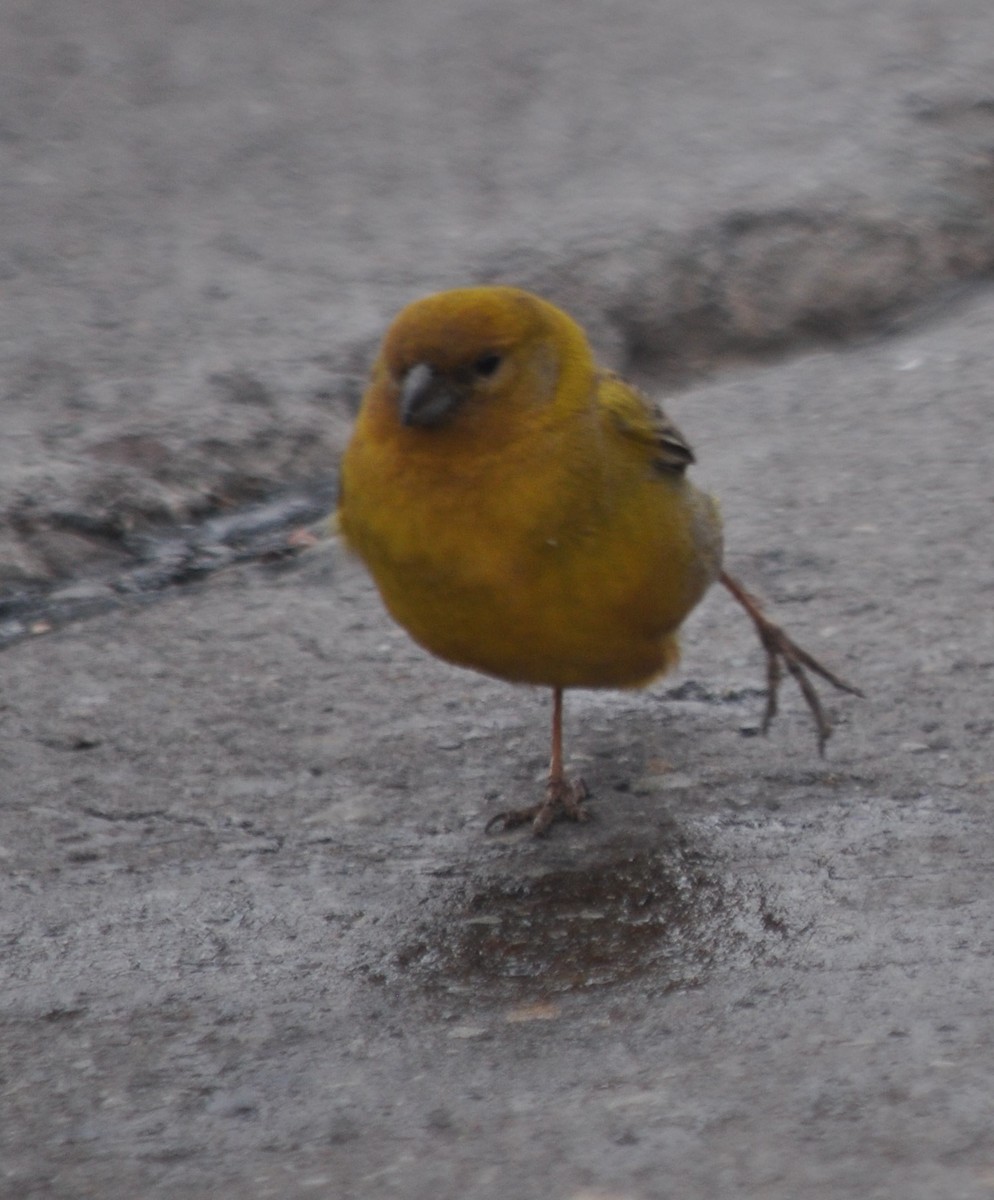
(426, 399)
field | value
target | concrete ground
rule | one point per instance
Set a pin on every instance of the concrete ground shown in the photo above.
(255, 941)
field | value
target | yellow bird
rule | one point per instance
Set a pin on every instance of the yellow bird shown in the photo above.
(528, 514)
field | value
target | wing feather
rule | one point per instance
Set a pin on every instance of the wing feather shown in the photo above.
(637, 417)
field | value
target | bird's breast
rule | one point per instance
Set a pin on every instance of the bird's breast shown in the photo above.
(497, 571)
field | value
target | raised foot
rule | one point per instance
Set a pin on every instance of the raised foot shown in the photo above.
(781, 651)
(563, 802)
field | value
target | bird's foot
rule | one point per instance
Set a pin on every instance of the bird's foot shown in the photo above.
(781, 651)
(563, 802)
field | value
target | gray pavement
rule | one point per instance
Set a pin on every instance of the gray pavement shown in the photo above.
(256, 943)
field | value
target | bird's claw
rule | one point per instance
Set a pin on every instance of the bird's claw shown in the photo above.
(781, 651)
(563, 801)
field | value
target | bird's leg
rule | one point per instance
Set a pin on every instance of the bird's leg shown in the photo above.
(782, 651)
(563, 797)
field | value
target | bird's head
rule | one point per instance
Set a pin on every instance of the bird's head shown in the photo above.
(476, 356)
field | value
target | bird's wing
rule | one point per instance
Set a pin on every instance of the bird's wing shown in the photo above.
(637, 417)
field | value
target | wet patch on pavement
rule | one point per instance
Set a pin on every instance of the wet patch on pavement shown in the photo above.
(662, 915)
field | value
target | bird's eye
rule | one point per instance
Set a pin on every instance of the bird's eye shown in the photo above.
(486, 365)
